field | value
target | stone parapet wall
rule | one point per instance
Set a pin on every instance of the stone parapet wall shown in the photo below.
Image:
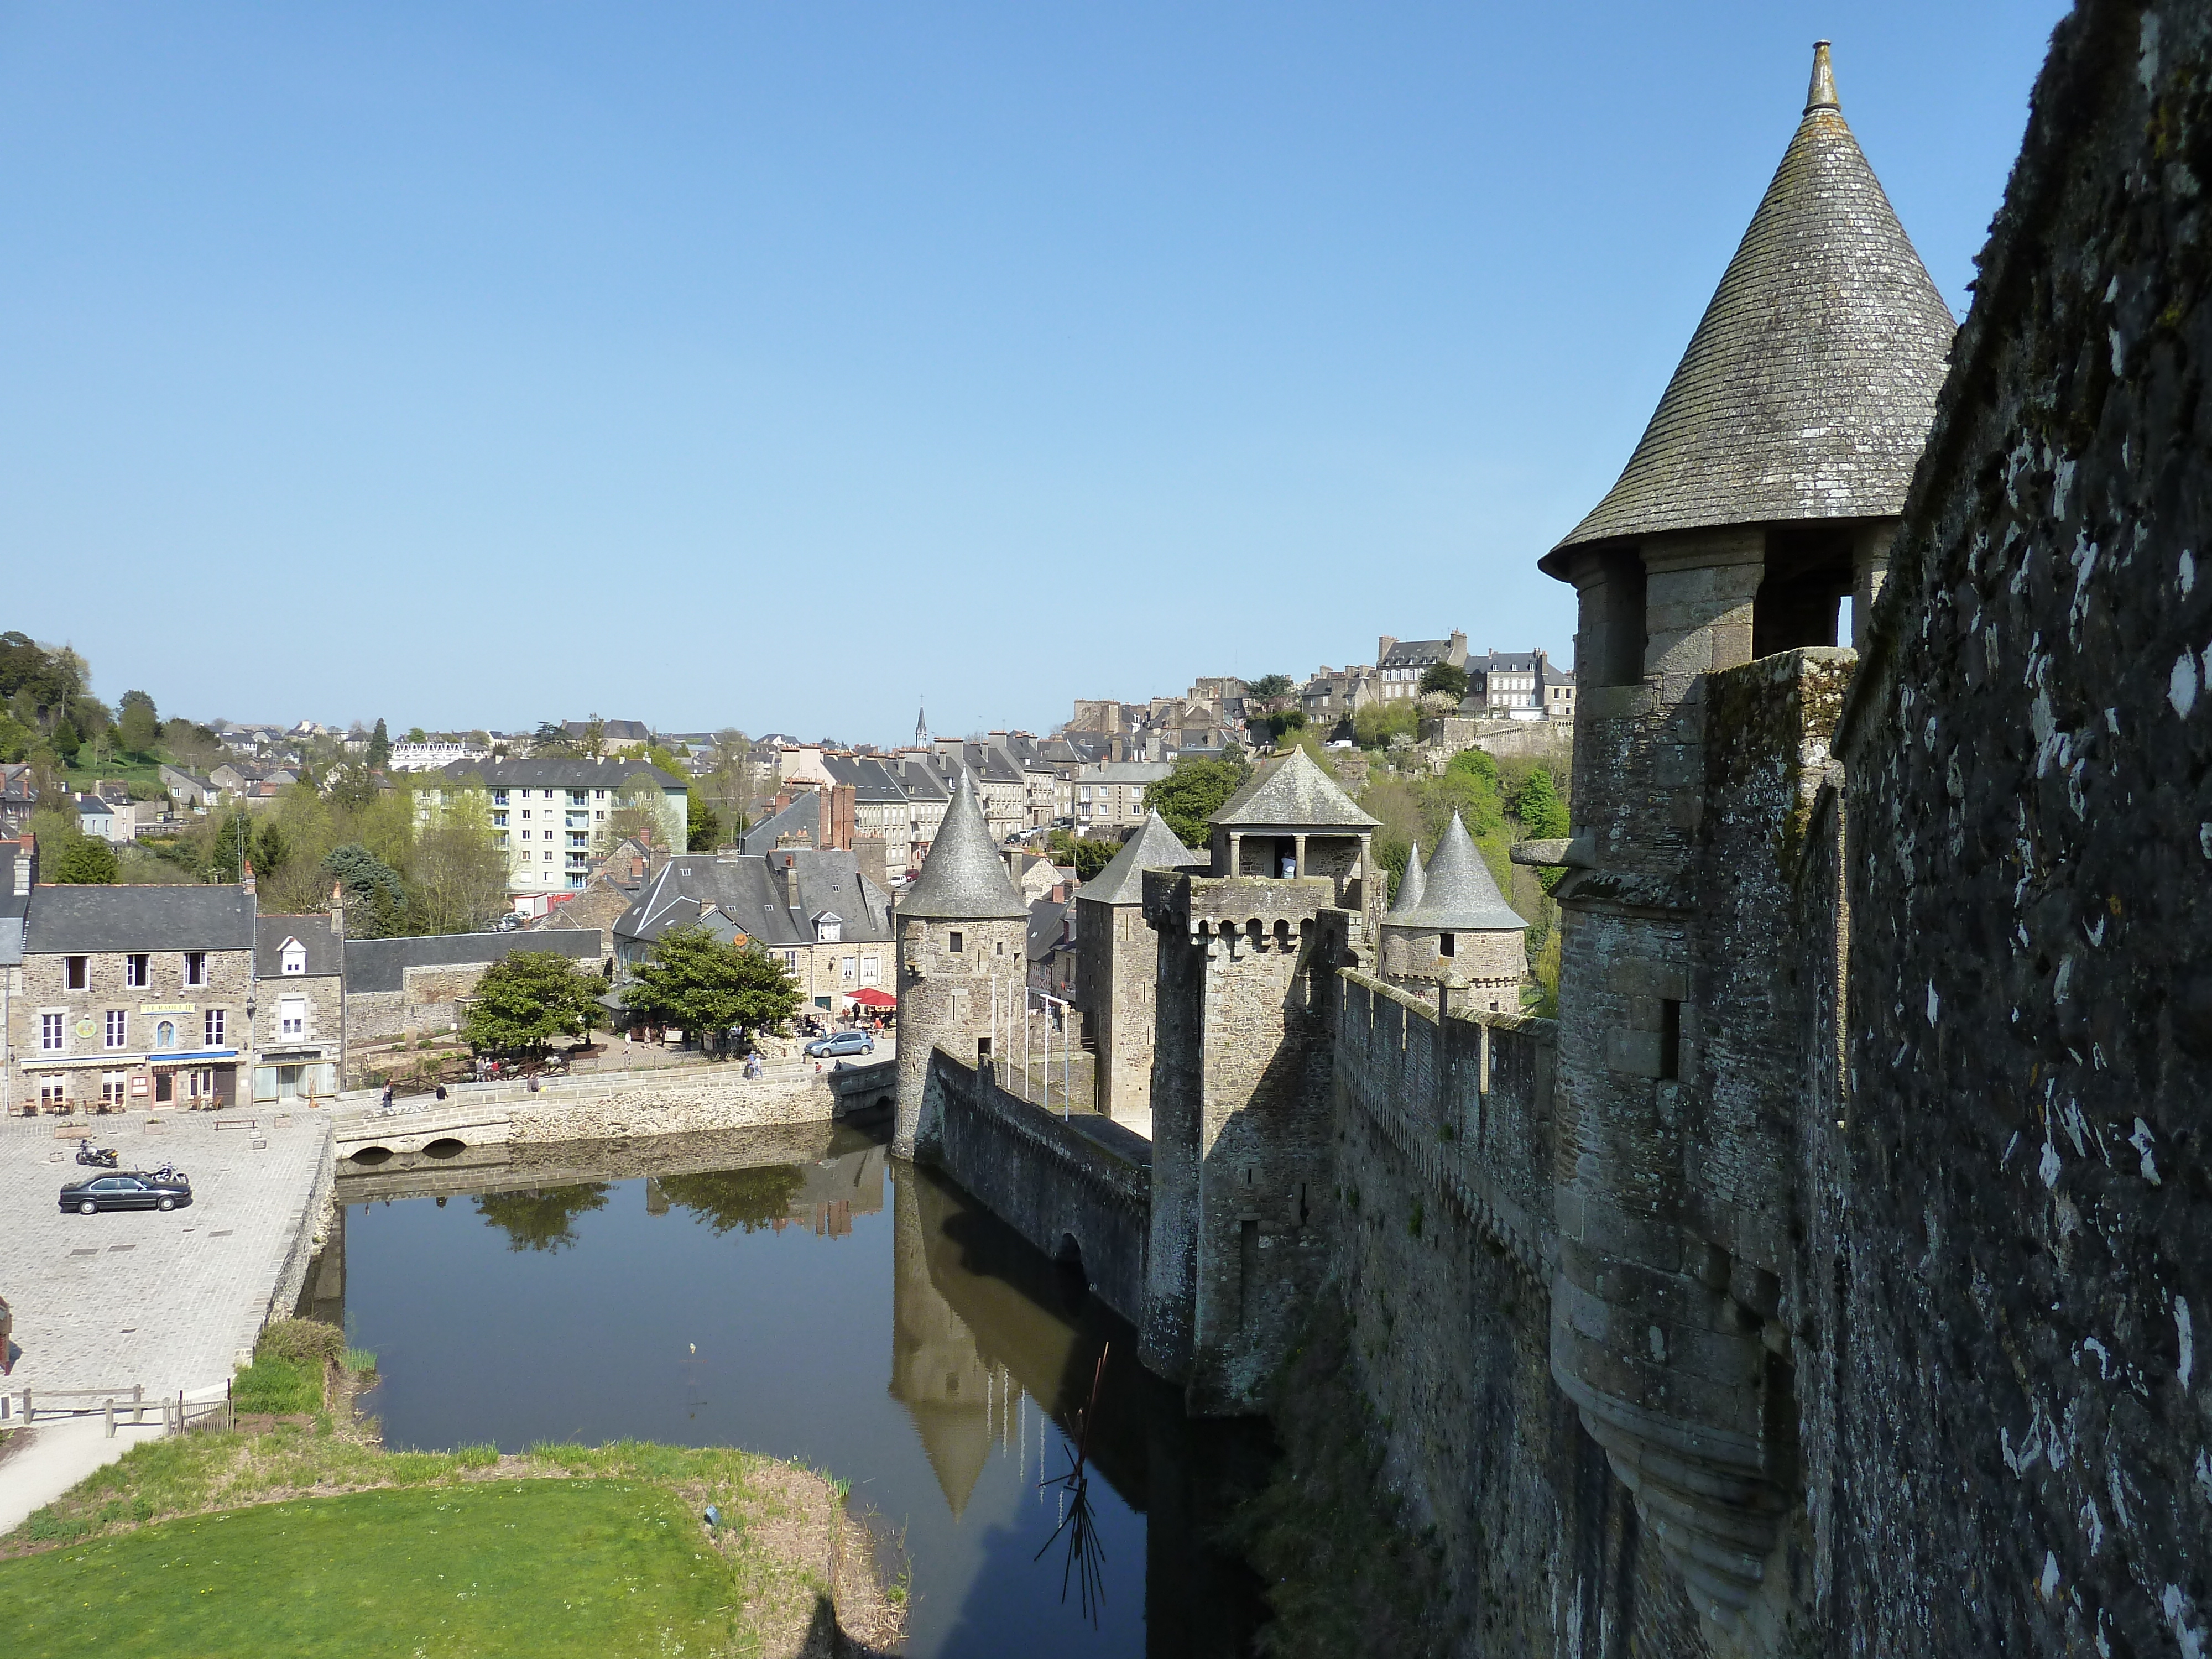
(1467, 1102)
(684, 1103)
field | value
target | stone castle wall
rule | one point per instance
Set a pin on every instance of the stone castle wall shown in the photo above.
(2021, 1436)
(1078, 1188)
(1442, 1260)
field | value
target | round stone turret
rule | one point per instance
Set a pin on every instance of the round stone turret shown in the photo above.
(1458, 933)
(961, 928)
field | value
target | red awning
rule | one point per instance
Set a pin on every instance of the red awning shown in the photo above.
(872, 998)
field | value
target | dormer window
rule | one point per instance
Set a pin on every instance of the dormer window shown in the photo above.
(829, 928)
(295, 957)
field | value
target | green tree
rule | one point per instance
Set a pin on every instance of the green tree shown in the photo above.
(65, 740)
(376, 899)
(139, 728)
(1448, 677)
(1088, 854)
(1540, 809)
(456, 874)
(16, 739)
(378, 753)
(526, 999)
(1268, 687)
(703, 986)
(543, 1218)
(706, 832)
(86, 861)
(1192, 791)
(1374, 726)
(552, 738)
(270, 850)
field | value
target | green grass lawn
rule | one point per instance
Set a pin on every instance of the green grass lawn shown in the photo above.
(538, 1567)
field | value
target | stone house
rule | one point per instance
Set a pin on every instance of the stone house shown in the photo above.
(299, 1007)
(1400, 664)
(810, 908)
(19, 798)
(188, 789)
(1521, 686)
(132, 996)
(1108, 796)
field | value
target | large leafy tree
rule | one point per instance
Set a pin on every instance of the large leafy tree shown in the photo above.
(526, 999)
(378, 754)
(85, 860)
(1089, 854)
(139, 728)
(1448, 677)
(706, 830)
(1192, 791)
(1540, 808)
(696, 982)
(376, 899)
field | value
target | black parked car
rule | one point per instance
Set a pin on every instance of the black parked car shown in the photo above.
(128, 1189)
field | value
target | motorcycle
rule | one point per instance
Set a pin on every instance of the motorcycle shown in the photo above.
(99, 1157)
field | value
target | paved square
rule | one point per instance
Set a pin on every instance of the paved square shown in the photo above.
(108, 1300)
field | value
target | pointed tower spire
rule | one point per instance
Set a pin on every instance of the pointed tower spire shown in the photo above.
(963, 876)
(1409, 885)
(1808, 388)
(1461, 893)
(1822, 92)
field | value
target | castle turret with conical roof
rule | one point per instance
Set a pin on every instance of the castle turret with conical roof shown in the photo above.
(961, 926)
(1764, 491)
(1458, 933)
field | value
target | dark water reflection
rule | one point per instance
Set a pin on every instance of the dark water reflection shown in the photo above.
(835, 1307)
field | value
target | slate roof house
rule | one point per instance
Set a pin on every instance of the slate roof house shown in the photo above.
(131, 996)
(810, 908)
(1400, 664)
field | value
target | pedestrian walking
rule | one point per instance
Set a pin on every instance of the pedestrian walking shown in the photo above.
(387, 1096)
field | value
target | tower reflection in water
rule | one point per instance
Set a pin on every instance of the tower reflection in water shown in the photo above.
(993, 1348)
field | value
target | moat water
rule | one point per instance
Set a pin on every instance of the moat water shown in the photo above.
(838, 1307)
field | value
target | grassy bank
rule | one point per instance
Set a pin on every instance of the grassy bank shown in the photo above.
(305, 1538)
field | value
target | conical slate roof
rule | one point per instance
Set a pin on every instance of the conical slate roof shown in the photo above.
(964, 877)
(1410, 886)
(1459, 894)
(1155, 846)
(1807, 390)
(1294, 793)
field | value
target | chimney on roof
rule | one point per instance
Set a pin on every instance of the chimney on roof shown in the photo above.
(245, 877)
(338, 909)
(26, 864)
(790, 884)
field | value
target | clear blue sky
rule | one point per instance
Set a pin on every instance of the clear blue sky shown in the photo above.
(773, 365)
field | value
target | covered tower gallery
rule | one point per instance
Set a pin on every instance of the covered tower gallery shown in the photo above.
(1764, 491)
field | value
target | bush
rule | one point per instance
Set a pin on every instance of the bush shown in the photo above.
(309, 1344)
